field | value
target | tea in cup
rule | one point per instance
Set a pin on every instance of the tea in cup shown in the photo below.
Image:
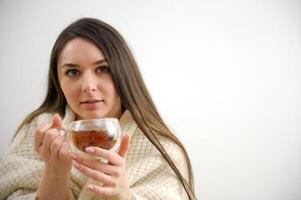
(103, 133)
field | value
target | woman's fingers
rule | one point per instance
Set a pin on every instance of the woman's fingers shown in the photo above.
(111, 174)
(102, 191)
(95, 175)
(55, 146)
(63, 152)
(112, 157)
(57, 121)
(39, 135)
(49, 137)
(48, 140)
(41, 130)
(97, 165)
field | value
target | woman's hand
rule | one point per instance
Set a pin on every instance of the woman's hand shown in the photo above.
(111, 175)
(54, 150)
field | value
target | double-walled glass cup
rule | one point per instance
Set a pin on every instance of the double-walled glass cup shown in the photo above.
(104, 133)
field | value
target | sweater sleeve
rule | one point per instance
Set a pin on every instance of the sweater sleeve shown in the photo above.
(21, 168)
(22, 194)
(152, 178)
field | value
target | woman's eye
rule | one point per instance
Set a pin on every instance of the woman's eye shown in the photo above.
(72, 73)
(103, 69)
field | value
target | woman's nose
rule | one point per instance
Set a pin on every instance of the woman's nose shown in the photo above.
(89, 83)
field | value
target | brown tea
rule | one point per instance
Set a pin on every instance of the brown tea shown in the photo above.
(83, 139)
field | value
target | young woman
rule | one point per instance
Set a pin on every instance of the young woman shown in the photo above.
(94, 75)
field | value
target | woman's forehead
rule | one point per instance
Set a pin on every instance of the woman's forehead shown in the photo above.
(80, 51)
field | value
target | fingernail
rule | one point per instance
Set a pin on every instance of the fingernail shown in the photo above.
(90, 149)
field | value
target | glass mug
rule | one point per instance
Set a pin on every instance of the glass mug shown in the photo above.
(104, 133)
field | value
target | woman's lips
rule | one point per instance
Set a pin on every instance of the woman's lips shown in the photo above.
(91, 101)
(91, 104)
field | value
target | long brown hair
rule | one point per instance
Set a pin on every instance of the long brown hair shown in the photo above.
(128, 82)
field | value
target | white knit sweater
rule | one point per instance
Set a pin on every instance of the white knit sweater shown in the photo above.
(149, 175)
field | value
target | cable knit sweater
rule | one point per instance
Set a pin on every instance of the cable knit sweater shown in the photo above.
(149, 175)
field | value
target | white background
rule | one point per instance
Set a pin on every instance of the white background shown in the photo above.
(225, 76)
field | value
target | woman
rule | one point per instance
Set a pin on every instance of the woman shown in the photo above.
(94, 75)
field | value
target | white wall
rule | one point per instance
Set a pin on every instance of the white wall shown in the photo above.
(224, 74)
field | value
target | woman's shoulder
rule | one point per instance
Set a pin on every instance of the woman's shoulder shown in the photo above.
(24, 138)
(172, 148)
(42, 118)
(37, 120)
(30, 127)
(140, 143)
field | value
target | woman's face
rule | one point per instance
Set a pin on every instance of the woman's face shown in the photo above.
(86, 80)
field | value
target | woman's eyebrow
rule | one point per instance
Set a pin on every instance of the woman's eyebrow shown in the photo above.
(98, 62)
(69, 65)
